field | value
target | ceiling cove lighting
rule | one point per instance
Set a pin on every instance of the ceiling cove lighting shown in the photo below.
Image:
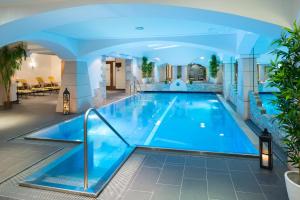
(166, 47)
(154, 45)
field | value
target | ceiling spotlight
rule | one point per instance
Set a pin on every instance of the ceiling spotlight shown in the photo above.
(139, 28)
(202, 57)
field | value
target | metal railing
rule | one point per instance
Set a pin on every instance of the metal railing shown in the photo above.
(87, 113)
(134, 85)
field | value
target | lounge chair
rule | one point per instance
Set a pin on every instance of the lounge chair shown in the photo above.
(54, 83)
(46, 86)
(23, 88)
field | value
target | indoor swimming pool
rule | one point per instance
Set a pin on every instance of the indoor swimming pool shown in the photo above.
(180, 121)
(267, 104)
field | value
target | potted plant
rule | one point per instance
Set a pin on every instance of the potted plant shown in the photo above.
(285, 75)
(213, 67)
(149, 71)
(144, 70)
(11, 57)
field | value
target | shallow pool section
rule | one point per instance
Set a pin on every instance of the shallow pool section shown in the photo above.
(183, 121)
(267, 104)
(106, 153)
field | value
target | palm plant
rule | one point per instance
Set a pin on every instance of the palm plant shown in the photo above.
(144, 67)
(285, 75)
(214, 66)
(11, 57)
(149, 69)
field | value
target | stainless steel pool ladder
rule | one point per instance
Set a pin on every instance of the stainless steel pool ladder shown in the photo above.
(87, 113)
(135, 84)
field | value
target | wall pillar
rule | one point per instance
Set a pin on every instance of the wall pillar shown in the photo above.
(156, 74)
(76, 78)
(174, 72)
(247, 81)
(261, 73)
(184, 73)
(128, 75)
(227, 67)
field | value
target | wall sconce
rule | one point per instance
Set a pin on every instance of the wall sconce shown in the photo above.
(265, 150)
(66, 102)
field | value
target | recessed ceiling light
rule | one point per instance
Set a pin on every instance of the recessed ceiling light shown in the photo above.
(202, 57)
(221, 134)
(139, 28)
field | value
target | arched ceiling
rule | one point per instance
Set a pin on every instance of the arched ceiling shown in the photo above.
(278, 12)
(86, 30)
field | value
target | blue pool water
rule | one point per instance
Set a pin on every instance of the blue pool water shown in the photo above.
(267, 99)
(181, 121)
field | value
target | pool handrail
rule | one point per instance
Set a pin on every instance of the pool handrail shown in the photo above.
(87, 113)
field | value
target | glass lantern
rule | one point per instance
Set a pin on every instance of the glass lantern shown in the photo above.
(265, 150)
(66, 102)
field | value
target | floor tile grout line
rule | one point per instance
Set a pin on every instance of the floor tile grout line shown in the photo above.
(137, 172)
(263, 193)
(182, 177)
(161, 169)
(206, 178)
(230, 176)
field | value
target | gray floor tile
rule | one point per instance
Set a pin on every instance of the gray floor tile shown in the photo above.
(237, 164)
(136, 195)
(250, 196)
(146, 179)
(216, 164)
(194, 172)
(171, 174)
(154, 160)
(255, 167)
(268, 179)
(166, 192)
(196, 161)
(175, 159)
(245, 182)
(220, 186)
(275, 192)
(194, 190)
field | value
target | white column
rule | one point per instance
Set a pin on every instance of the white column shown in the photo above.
(227, 79)
(156, 73)
(128, 75)
(76, 78)
(247, 81)
(261, 73)
(174, 72)
(184, 73)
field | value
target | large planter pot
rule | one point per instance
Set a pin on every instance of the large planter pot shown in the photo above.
(293, 189)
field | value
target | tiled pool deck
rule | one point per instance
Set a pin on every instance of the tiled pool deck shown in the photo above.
(147, 175)
(154, 175)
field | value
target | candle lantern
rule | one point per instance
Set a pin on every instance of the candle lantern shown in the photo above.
(66, 102)
(265, 150)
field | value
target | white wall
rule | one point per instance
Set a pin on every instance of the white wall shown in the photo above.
(120, 75)
(40, 65)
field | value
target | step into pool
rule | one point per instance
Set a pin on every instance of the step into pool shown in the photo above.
(180, 121)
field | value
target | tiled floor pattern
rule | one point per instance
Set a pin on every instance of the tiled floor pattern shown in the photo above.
(165, 176)
(152, 175)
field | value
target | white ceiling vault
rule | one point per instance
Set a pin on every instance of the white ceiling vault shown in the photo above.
(168, 33)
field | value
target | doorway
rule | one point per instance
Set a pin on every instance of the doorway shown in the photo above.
(110, 82)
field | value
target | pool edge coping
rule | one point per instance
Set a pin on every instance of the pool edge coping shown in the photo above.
(240, 122)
